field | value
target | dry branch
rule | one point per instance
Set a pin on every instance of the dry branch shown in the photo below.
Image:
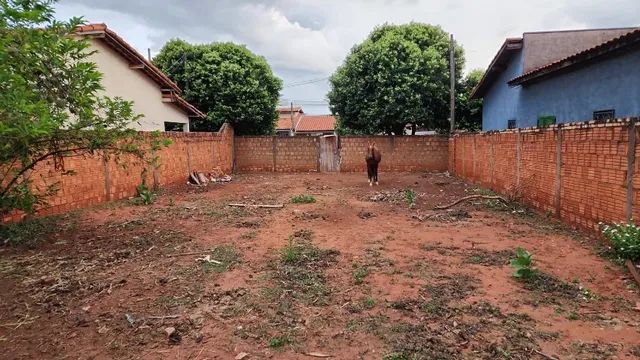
(544, 355)
(471, 197)
(276, 206)
(633, 271)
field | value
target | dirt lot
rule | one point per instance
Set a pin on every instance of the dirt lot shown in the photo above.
(358, 274)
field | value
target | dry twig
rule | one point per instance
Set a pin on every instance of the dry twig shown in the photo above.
(471, 197)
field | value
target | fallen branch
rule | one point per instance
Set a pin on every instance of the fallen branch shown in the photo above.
(162, 317)
(318, 355)
(189, 253)
(633, 271)
(544, 355)
(471, 197)
(276, 206)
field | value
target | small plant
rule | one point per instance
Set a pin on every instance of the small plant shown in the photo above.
(359, 274)
(625, 240)
(410, 196)
(291, 252)
(369, 303)
(523, 265)
(145, 196)
(303, 199)
(278, 342)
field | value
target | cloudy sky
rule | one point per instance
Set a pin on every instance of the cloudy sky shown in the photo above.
(307, 39)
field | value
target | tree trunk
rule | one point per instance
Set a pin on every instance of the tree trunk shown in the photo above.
(413, 129)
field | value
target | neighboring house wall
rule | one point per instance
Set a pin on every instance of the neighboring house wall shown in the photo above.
(501, 101)
(133, 85)
(610, 84)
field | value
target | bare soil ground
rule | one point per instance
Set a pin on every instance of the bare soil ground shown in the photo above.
(358, 274)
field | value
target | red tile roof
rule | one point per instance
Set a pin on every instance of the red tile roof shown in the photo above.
(101, 31)
(284, 121)
(310, 123)
(598, 51)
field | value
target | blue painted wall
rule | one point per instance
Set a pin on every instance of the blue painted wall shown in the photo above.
(574, 96)
(500, 101)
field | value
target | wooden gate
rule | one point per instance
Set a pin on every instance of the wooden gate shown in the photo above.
(329, 153)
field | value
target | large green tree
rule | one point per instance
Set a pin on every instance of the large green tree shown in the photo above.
(469, 111)
(399, 75)
(50, 107)
(225, 80)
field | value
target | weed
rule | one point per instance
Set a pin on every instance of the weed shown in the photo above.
(172, 202)
(278, 342)
(303, 199)
(410, 197)
(145, 196)
(30, 232)
(625, 240)
(223, 258)
(572, 316)
(523, 265)
(369, 303)
(300, 271)
(490, 258)
(359, 274)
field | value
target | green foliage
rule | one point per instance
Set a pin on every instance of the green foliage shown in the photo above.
(225, 80)
(145, 196)
(625, 240)
(278, 342)
(399, 75)
(29, 232)
(303, 199)
(50, 107)
(522, 265)
(223, 258)
(469, 111)
(410, 196)
(359, 274)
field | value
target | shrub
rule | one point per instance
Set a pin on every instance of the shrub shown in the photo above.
(625, 240)
(410, 196)
(303, 199)
(523, 265)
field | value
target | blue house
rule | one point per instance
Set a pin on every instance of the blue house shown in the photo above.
(562, 76)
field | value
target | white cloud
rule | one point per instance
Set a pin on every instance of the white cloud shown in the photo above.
(306, 39)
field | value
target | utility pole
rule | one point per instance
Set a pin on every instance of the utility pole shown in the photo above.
(452, 76)
(149, 54)
(293, 126)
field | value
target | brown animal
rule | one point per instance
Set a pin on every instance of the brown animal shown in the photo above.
(373, 158)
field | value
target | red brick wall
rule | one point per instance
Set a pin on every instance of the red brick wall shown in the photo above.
(96, 181)
(587, 187)
(301, 153)
(282, 154)
(399, 153)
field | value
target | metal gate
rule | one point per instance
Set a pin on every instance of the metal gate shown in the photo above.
(329, 153)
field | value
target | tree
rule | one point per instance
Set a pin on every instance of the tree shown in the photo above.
(399, 75)
(225, 80)
(469, 111)
(49, 104)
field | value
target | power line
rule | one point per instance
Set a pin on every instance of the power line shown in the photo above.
(305, 82)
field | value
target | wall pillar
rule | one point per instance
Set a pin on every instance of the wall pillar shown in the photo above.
(558, 180)
(631, 161)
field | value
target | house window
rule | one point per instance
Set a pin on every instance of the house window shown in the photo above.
(604, 114)
(172, 126)
(511, 124)
(546, 120)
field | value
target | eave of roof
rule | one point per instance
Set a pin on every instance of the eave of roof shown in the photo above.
(170, 90)
(611, 47)
(497, 66)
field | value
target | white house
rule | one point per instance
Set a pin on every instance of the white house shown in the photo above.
(129, 75)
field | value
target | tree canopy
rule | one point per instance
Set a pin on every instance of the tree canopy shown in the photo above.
(469, 111)
(399, 75)
(50, 108)
(225, 80)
